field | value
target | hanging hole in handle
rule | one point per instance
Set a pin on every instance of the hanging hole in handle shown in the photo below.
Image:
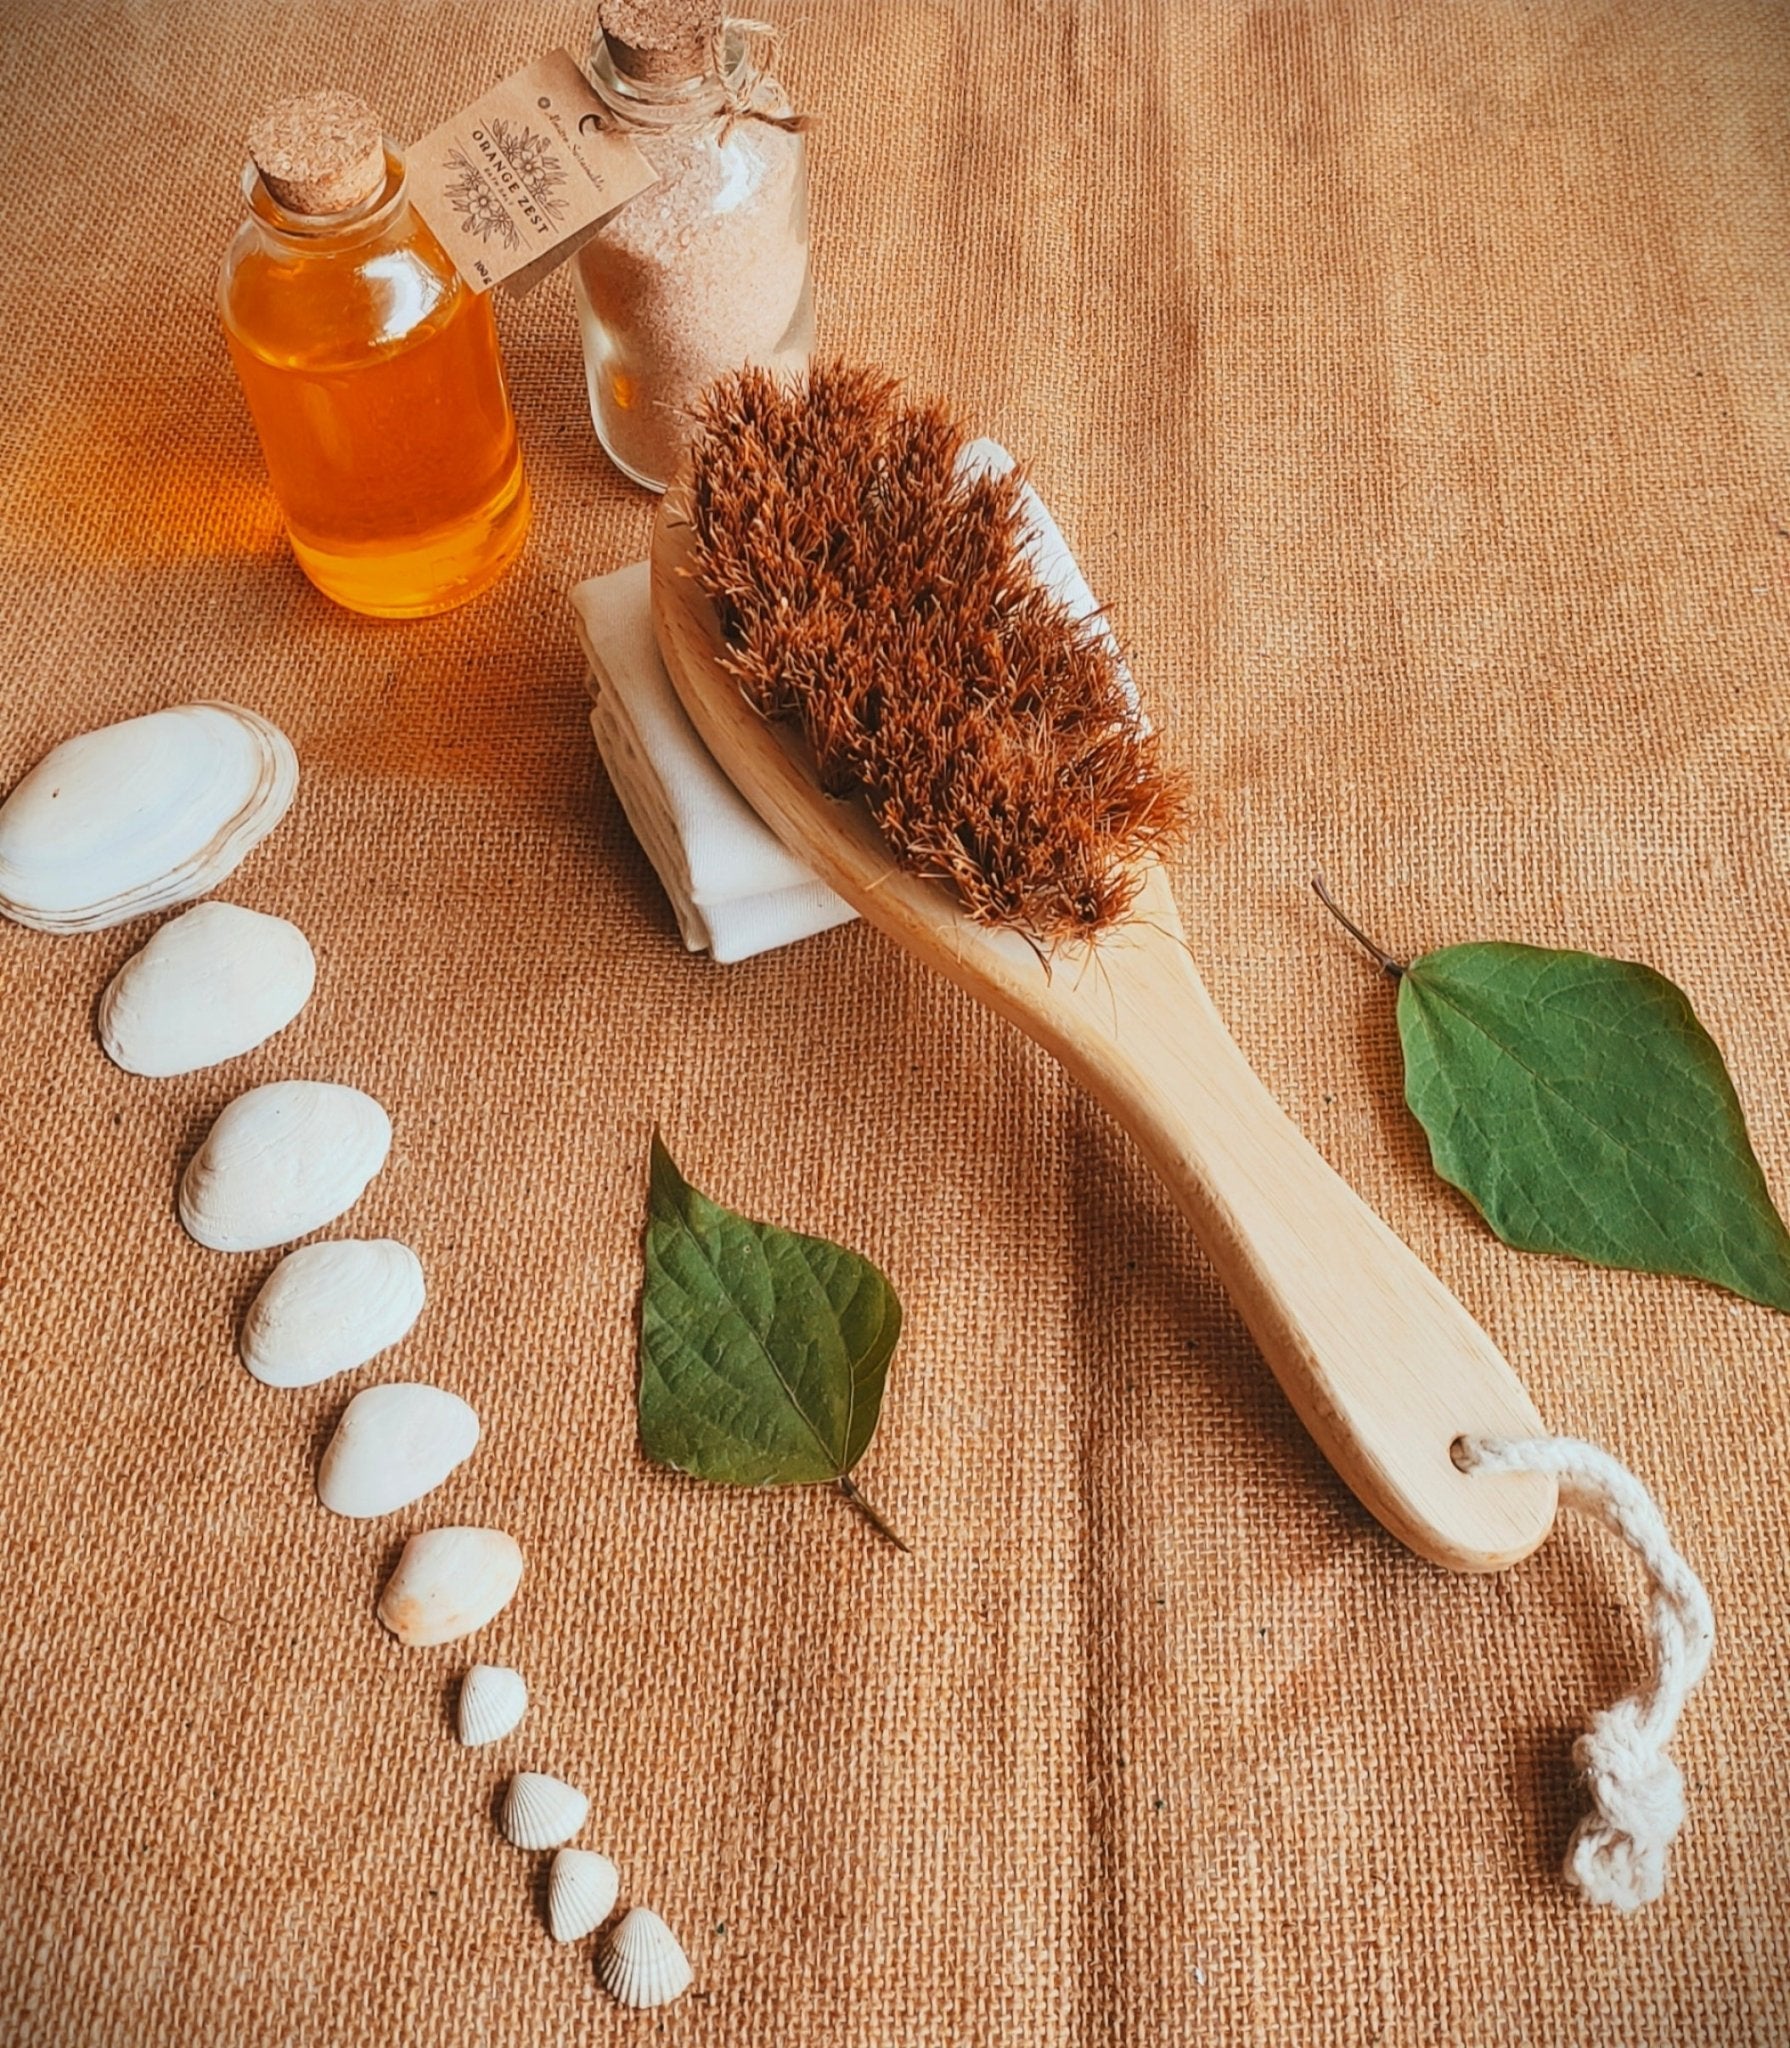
(1459, 1456)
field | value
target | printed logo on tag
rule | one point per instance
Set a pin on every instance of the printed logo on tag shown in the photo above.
(513, 184)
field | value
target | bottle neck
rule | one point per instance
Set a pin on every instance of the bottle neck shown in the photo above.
(315, 232)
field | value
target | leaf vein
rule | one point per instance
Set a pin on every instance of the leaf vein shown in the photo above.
(765, 1350)
(1633, 1160)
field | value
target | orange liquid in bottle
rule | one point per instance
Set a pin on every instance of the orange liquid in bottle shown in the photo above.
(373, 375)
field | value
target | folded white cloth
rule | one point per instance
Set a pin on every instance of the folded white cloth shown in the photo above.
(734, 890)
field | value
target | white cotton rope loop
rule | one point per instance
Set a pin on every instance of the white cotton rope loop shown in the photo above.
(1618, 1852)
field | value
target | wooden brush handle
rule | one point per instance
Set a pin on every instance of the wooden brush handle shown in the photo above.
(1384, 1366)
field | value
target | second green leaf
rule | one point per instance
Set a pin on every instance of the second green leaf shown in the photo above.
(1583, 1108)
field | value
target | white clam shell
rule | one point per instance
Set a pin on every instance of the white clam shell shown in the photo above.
(581, 1893)
(448, 1583)
(493, 1699)
(540, 1812)
(280, 1161)
(141, 815)
(394, 1444)
(642, 1962)
(327, 1308)
(213, 982)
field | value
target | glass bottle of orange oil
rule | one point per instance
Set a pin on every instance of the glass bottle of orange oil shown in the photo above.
(371, 370)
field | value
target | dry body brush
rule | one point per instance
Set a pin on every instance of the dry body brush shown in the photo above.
(877, 592)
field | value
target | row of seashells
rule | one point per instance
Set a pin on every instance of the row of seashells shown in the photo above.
(152, 813)
(141, 816)
(285, 1159)
(641, 1962)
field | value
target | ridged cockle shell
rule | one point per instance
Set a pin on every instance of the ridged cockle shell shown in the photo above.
(581, 1893)
(493, 1699)
(540, 1812)
(641, 1962)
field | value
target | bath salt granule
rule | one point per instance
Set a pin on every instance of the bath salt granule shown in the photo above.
(706, 270)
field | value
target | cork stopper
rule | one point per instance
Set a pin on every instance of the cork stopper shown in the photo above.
(660, 42)
(320, 153)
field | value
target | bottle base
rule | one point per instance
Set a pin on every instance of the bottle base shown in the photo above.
(437, 573)
(657, 484)
(665, 445)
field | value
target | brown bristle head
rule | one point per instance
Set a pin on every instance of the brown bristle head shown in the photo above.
(872, 591)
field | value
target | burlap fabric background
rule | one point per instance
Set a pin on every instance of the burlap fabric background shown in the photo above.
(1413, 381)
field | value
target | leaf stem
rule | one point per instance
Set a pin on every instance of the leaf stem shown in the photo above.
(873, 1514)
(1388, 965)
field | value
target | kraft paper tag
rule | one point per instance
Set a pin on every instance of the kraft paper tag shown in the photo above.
(514, 183)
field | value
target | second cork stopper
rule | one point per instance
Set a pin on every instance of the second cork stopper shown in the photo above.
(322, 152)
(660, 41)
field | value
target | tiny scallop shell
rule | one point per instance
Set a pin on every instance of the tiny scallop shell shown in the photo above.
(448, 1583)
(329, 1307)
(280, 1161)
(493, 1699)
(642, 1963)
(540, 1812)
(137, 816)
(394, 1444)
(580, 1893)
(213, 982)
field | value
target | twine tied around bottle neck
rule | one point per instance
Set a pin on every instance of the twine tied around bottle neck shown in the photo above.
(758, 61)
(1618, 1851)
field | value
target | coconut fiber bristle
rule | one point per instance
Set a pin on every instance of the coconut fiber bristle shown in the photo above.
(875, 594)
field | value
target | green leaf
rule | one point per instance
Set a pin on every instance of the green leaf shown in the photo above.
(762, 1353)
(1584, 1110)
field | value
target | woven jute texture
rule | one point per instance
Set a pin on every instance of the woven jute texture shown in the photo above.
(1411, 380)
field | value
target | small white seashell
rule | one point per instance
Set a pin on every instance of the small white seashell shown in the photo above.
(493, 1699)
(329, 1307)
(448, 1583)
(140, 815)
(642, 1963)
(213, 982)
(580, 1893)
(394, 1444)
(540, 1812)
(280, 1161)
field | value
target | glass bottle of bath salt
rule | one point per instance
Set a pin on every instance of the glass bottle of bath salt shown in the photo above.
(371, 370)
(706, 270)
